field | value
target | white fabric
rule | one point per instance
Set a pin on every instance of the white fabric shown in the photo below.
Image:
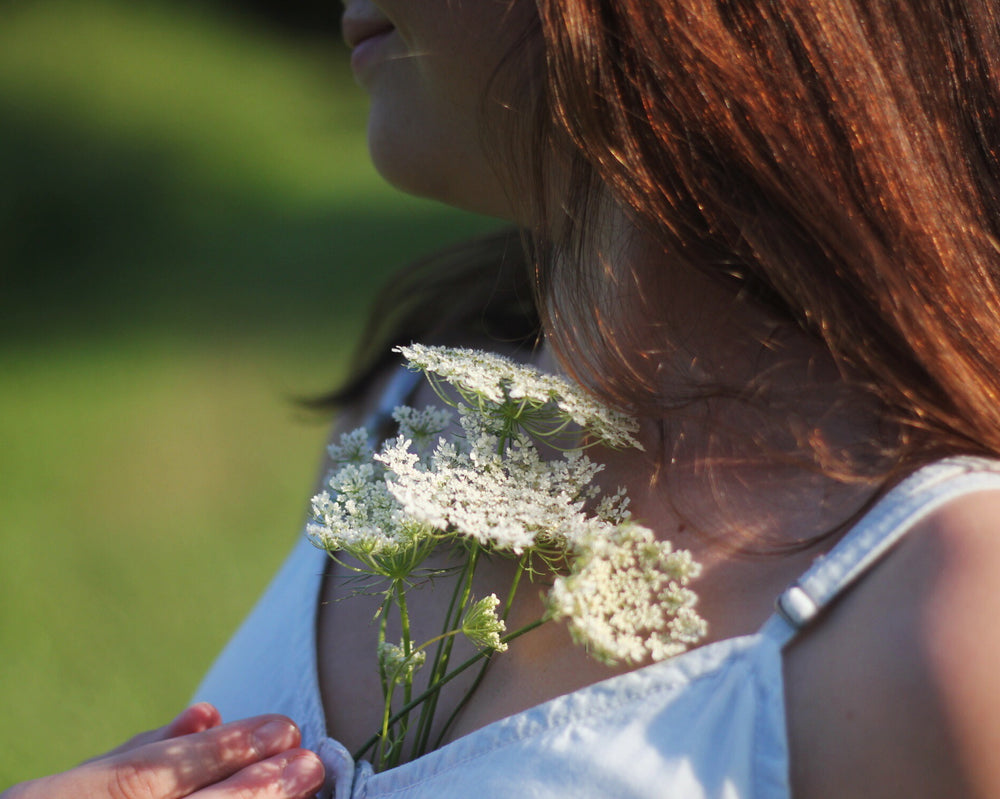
(709, 723)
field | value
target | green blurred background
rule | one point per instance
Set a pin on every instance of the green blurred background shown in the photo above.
(190, 233)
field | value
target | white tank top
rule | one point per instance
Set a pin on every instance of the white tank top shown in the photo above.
(708, 723)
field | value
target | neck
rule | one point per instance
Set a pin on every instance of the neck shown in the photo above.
(757, 442)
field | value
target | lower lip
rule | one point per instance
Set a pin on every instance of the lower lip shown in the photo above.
(369, 51)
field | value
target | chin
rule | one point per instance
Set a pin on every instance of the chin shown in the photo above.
(435, 165)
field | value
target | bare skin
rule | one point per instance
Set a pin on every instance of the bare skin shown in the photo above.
(197, 756)
(892, 695)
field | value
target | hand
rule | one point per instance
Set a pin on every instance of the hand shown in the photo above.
(193, 756)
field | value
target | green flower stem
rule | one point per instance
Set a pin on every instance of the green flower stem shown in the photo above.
(383, 737)
(463, 590)
(404, 621)
(436, 687)
(427, 711)
(518, 573)
(387, 687)
(437, 639)
(404, 617)
(487, 656)
(522, 563)
(383, 616)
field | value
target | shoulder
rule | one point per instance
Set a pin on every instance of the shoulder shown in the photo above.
(894, 692)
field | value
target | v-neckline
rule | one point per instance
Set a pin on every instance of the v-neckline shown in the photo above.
(892, 516)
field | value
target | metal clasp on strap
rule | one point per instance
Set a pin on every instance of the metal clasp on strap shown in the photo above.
(797, 607)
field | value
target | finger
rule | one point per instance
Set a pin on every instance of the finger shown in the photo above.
(296, 774)
(197, 718)
(176, 767)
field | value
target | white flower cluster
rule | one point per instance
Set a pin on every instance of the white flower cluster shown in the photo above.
(352, 448)
(396, 665)
(626, 597)
(422, 427)
(507, 499)
(358, 514)
(482, 376)
(483, 627)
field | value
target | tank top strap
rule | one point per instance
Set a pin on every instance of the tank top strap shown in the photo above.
(892, 517)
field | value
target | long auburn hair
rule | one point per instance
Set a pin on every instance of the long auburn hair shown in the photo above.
(836, 160)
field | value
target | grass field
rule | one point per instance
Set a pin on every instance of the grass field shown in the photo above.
(189, 235)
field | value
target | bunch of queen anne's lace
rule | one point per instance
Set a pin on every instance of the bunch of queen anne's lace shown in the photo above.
(486, 484)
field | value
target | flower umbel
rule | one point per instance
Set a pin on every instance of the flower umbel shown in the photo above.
(483, 627)
(626, 597)
(396, 664)
(539, 403)
(507, 499)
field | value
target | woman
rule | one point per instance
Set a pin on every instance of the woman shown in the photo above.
(770, 231)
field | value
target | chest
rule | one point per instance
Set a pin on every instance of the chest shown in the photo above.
(542, 665)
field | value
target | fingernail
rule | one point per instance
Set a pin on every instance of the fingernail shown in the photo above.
(302, 775)
(204, 710)
(274, 736)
